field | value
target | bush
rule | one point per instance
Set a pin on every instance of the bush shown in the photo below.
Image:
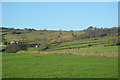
(4, 42)
(13, 48)
(110, 41)
(13, 32)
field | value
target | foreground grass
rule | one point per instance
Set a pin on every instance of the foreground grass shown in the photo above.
(28, 65)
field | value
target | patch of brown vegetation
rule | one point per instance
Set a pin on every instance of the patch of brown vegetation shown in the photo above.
(69, 52)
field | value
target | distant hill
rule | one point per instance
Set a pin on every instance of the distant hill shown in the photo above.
(39, 36)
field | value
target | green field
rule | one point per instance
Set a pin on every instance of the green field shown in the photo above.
(29, 65)
(60, 54)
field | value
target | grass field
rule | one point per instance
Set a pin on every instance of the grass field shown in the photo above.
(28, 65)
(60, 55)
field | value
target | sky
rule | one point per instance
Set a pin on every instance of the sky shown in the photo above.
(59, 15)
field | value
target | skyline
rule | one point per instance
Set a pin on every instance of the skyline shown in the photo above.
(59, 15)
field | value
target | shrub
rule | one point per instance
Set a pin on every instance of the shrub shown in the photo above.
(4, 42)
(13, 48)
(13, 32)
(110, 41)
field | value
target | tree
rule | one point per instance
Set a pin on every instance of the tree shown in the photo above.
(60, 30)
(99, 32)
(4, 42)
(24, 38)
(90, 28)
(13, 48)
(74, 36)
(110, 41)
(13, 32)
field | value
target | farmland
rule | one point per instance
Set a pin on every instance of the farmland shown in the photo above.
(59, 54)
(59, 40)
(30, 65)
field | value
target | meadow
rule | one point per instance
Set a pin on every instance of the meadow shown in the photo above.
(31, 65)
(60, 54)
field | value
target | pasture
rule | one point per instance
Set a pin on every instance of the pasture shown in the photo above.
(31, 65)
(60, 54)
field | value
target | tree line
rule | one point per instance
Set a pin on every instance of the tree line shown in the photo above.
(5, 28)
(92, 32)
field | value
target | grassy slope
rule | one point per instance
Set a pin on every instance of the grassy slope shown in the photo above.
(58, 66)
(96, 46)
(41, 36)
(71, 44)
